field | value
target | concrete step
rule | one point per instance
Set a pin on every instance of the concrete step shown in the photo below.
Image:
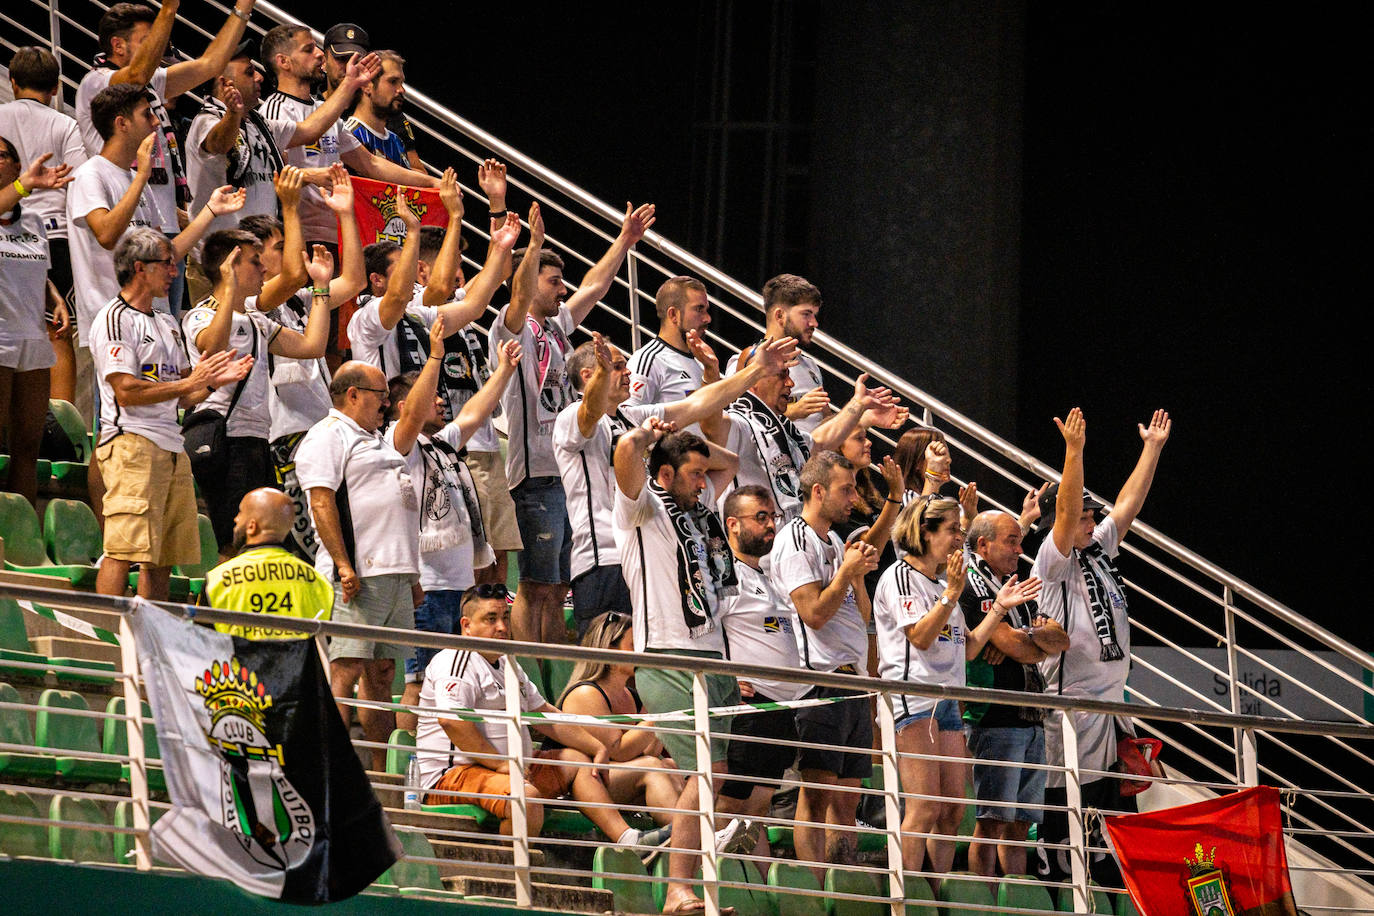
(91, 650)
(563, 897)
(429, 821)
(42, 626)
(480, 859)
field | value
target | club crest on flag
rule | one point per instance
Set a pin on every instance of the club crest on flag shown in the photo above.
(258, 803)
(1207, 890)
(393, 227)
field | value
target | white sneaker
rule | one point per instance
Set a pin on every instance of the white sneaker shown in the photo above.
(737, 835)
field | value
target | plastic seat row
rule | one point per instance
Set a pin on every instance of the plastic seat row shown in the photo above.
(58, 478)
(15, 647)
(55, 841)
(58, 727)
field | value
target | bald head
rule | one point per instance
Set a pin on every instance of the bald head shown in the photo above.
(359, 391)
(265, 517)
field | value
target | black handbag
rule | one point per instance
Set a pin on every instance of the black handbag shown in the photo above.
(205, 432)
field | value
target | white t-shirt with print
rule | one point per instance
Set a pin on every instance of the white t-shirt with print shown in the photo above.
(23, 276)
(160, 198)
(377, 346)
(150, 348)
(588, 471)
(458, 679)
(904, 595)
(250, 332)
(98, 185)
(35, 129)
(540, 390)
(379, 497)
(781, 476)
(207, 171)
(299, 395)
(660, 373)
(318, 223)
(801, 556)
(761, 629)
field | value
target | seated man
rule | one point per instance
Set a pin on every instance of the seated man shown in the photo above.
(454, 754)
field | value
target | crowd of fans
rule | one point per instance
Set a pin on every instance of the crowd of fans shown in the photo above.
(688, 510)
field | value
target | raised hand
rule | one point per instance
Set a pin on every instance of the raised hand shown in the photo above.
(358, 73)
(702, 352)
(777, 355)
(1157, 433)
(1014, 593)
(505, 232)
(637, 221)
(339, 195)
(228, 276)
(143, 159)
(38, 175)
(658, 428)
(1074, 429)
(1030, 505)
(956, 574)
(814, 401)
(288, 184)
(233, 100)
(491, 178)
(451, 195)
(602, 351)
(436, 339)
(225, 199)
(892, 476)
(889, 416)
(968, 500)
(319, 264)
(937, 459)
(509, 353)
(536, 226)
(403, 210)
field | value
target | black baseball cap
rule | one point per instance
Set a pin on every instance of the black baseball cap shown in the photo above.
(347, 38)
(1047, 505)
(247, 48)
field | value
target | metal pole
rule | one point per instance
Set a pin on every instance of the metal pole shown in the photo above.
(632, 270)
(1233, 675)
(887, 742)
(519, 824)
(55, 42)
(138, 764)
(706, 801)
(1078, 840)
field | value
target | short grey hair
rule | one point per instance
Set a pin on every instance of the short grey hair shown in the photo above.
(139, 244)
(984, 525)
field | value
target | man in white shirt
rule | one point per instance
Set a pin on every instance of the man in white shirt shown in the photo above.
(144, 377)
(792, 306)
(543, 322)
(35, 127)
(679, 570)
(665, 369)
(1086, 595)
(363, 506)
(820, 573)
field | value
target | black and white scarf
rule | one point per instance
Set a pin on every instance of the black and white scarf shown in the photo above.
(1103, 580)
(239, 160)
(782, 447)
(705, 565)
(984, 582)
(169, 137)
(445, 473)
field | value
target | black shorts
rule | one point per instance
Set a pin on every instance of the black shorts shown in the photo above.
(250, 466)
(760, 761)
(60, 273)
(848, 724)
(596, 591)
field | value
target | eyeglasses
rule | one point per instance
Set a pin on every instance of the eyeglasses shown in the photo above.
(163, 261)
(378, 391)
(484, 591)
(763, 517)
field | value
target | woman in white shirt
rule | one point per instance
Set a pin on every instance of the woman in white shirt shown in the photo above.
(922, 638)
(26, 354)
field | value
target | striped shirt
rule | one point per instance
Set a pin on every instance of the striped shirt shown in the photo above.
(148, 346)
(660, 373)
(388, 146)
(801, 556)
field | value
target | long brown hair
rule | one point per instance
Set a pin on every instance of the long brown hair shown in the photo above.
(604, 632)
(910, 454)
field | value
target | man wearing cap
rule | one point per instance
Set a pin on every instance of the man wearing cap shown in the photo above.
(347, 38)
(1085, 595)
(379, 102)
(230, 142)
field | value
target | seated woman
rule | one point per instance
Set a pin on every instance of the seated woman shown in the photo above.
(922, 638)
(598, 689)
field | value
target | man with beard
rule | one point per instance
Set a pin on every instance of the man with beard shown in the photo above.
(344, 39)
(263, 577)
(381, 100)
(667, 368)
(791, 305)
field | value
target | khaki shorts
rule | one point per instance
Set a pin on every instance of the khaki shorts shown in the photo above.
(460, 784)
(150, 503)
(382, 601)
(498, 509)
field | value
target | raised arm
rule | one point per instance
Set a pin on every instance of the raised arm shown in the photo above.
(379, 168)
(443, 279)
(1137, 486)
(293, 270)
(630, 470)
(36, 176)
(596, 400)
(526, 279)
(109, 225)
(707, 402)
(479, 407)
(817, 602)
(721, 466)
(311, 343)
(494, 272)
(214, 337)
(352, 278)
(420, 400)
(145, 61)
(870, 406)
(189, 74)
(598, 279)
(880, 531)
(222, 200)
(357, 73)
(400, 289)
(1068, 505)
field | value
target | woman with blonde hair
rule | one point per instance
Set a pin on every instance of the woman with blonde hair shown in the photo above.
(923, 638)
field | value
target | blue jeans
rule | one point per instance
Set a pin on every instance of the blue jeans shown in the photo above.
(438, 614)
(1004, 791)
(541, 512)
(945, 712)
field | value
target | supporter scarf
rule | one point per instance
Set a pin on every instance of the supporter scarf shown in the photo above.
(440, 527)
(984, 582)
(412, 345)
(239, 160)
(169, 137)
(1099, 572)
(781, 446)
(702, 552)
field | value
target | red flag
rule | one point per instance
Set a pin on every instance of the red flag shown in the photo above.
(1221, 857)
(374, 205)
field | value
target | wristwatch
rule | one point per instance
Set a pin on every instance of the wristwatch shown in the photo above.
(944, 601)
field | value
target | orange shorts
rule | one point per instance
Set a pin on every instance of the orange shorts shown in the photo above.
(460, 784)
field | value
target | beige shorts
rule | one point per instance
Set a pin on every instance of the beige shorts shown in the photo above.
(150, 506)
(382, 601)
(498, 510)
(27, 355)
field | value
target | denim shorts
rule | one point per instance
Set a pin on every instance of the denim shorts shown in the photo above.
(438, 614)
(541, 512)
(946, 714)
(1012, 787)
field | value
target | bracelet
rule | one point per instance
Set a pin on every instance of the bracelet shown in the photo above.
(891, 500)
(213, 214)
(432, 356)
(240, 13)
(940, 477)
(320, 292)
(498, 214)
(19, 189)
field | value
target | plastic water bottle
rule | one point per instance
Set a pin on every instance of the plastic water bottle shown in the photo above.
(412, 794)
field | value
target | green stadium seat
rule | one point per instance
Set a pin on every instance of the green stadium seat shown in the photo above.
(557, 673)
(15, 729)
(398, 758)
(1025, 896)
(124, 817)
(846, 881)
(786, 877)
(482, 816)
(961, 892)
(61, 731)
(1101, 902)
(14, 643)
(1125, 906)
(22, 839)
(194, 573)
(411, 876)
(71, 533)
(24, 551)
(918, 888)
(88, 671)
(115, 740)
(70, 476)
(75, 843)
(751, 899)
(615, 870)
(560, 821)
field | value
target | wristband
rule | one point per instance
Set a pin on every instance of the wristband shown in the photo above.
(891, 500)
(499, 214)
(19, 189)
(320, 292)
(432, 356)
(940, 477)
(213, 214)
(240, 13)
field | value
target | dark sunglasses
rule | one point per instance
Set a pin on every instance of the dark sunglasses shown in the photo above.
(485, 590)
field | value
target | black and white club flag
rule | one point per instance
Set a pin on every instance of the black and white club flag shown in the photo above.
(266, 788)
